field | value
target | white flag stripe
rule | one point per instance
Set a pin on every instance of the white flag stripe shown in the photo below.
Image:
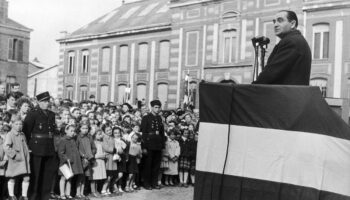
(298, 158)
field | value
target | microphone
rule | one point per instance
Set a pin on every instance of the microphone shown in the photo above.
(261, 40)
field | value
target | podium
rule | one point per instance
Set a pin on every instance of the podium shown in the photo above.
(340, 106)
(271, 142)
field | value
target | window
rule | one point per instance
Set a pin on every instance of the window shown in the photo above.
(15, 50)
(104, 94)
(321, 83)
(143, 56)
(320, 41)
(85, 61)
(123, 58)
(69, 92)
(229, 46)
(141, 91)
(192, 42)
(164, 54)
(106, 59)
(121, 93)
(83, 92)
(271, 2)
(71, 62)
(9, 81)
(163, 92)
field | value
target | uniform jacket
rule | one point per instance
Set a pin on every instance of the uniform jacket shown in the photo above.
(289, 62)
(38, 122)
(152, 128)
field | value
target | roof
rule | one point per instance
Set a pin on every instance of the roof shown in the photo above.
(129, 16)
(13, 24)
(39, 64)
(41, 71)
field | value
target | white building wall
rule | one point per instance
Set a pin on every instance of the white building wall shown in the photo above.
(46, 81)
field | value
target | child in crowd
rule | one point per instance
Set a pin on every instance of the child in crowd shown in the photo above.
(193, 155)
(18, 163)
(135, 154)
(58, 135)
(172, 148)
(184, 159)
(121, 154)
(108, 147)
(87, 151)
(2, 131)
(3, 162)
(98, 170)
(68, 153)
(135, 130)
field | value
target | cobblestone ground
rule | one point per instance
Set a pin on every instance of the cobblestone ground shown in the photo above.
(166, 193)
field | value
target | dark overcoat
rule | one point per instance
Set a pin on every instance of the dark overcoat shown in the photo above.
(289, 62)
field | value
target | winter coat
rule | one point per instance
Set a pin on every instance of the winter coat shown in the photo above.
(18, 154)
(68, 149)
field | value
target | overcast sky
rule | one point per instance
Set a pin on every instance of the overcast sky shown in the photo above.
(48, 18)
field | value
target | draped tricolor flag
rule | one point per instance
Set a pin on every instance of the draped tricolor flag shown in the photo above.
(259, 142)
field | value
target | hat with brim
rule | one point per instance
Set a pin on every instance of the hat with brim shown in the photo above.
(45, 96)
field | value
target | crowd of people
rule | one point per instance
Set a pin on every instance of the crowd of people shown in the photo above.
(108, 149)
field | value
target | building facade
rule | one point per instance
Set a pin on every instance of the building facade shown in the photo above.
(148, 47)
(42, 78)
(14, 50)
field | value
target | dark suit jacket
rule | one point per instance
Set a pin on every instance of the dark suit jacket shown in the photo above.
(149, 125)
(289, 62)
(37, 122)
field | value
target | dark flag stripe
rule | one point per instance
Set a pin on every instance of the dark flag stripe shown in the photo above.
(294, 108)
(210, 185)
(298, 158)
(283, 137)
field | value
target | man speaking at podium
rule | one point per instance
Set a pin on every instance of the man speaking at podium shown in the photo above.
(290, 60)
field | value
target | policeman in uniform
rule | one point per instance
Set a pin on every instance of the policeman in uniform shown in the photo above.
(38, 127)
(153, 141)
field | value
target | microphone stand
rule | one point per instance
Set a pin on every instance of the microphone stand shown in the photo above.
(255, 67)
(263, 48)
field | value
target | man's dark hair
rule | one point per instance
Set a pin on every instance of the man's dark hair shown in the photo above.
(291, 15)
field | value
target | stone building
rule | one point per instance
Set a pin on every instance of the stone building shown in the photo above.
(149, 46)
(14, 50)
(327, 24)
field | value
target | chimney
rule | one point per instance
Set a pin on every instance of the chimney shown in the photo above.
(3, 11)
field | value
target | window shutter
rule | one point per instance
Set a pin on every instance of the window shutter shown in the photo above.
(10, 49)
(20, 51)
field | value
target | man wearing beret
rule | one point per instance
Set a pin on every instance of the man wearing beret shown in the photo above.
(153, 141)
(38, 127)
